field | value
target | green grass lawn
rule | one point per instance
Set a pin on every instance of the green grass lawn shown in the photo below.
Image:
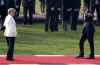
(32, 40)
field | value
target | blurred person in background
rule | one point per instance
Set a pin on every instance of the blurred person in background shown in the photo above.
(42, 5)
(3, 10)
(28, 7)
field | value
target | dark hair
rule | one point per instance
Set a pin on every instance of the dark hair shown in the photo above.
(89, 16)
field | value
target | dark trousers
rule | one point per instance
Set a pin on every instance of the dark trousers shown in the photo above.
(46, 25)
(18, 8)
(89, 37)
(10, 43)
(31, 11)
(75, 15)
(42, 5)
(3, 13)
(65, 19)
(87, 3)
(51, 23)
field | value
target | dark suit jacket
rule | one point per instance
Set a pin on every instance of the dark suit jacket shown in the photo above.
(51, 3)
(28, 3)
(71, 4)
(18, 2)
(90, 3)
(66, 4)
(11, 4)
(75, 3)
(5, 1)
(4, 7)
(93, 2)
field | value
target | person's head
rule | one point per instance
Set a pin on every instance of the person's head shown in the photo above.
(85, 8)
(11, 11)
(89, 16)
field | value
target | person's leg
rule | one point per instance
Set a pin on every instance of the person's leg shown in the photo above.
(52, 23)
(7, 40)
(30, 15)
(56, 20)
(1, 15)
(46, 25)
(18, 4)
(11, 48)
(91, 42)
(25, 15)
(98, 14)
(34, 5)
(65, 19)
(56, 25)
(75, 15)
(81, 45)
(47, 20)
(43, 5)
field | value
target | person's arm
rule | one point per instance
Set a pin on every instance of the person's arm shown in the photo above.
(3, 27)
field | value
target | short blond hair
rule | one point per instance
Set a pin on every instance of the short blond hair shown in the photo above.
(10, 10)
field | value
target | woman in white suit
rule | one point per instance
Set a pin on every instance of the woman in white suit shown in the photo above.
(10, 32)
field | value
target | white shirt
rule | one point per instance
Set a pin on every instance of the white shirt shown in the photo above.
(10, 27)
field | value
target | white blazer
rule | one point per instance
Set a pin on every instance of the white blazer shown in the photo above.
(10, 27)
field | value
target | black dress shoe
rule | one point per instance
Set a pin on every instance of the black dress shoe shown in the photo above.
(80, 56)
(91, 57)
(10, 59)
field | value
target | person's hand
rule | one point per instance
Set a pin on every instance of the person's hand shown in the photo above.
(59, 9)
(69, 9)
(52, 8)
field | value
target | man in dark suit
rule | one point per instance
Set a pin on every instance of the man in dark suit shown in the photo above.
(87, 34)
(71, 8)
(3, 10)
(42, 6)
(18, 4)
(58, 11)
(65, 13)
(28, 5)
(96, 6)
(88, 4)
(51, 15)
(75, 13)
(11, 4)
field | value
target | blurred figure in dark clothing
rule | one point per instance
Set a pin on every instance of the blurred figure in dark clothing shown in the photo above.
(66, 8)
(88, 3)
(3, 10)
(28, 5)
(18, 4)
(71, 8)
(96, 6)
(75, 13)
(51, 14)
(87, 34)
(11, 4)
(42, 5)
